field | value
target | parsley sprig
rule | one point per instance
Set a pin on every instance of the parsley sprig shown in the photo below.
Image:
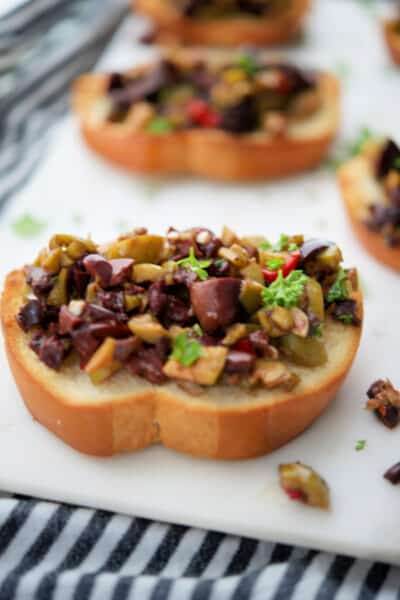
(198, 266)
(248, 64)
(360, 445)
(275, 262)
(338, 290)
(285, 291)
(282, 244)
(186, 350)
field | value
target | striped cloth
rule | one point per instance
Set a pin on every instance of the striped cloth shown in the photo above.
(50, 550)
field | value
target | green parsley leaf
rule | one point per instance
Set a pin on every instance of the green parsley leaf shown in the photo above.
(285, 291)
(346, 318)
(396, 162)
(27, 226)
(219, 262)
(338, 290)
(274, 263)
(159, 126)
(356, 147)
(248, 63)
(265, 246)
(186, 350)
(198, 266)
(360, 445)
(318, 330)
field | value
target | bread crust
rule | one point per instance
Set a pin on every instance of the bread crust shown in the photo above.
(210, 153)
(360, 189)
(104, 422)
(393, 40)
(172, 26)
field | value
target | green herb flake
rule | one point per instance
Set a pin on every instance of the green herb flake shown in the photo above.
(27, 226)
(283, 244)
(318, 330)
(347, 319)
(186, 350)
(264, 246)
(248, 63)
(396, 162)
(360, 445)
(274, 263)
(219, 262)
(338, 290)
(160, 126)
(198, 266)
(357, 146)
(285, 291)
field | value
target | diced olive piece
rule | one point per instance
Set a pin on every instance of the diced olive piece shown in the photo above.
(132, 302)
(308, 352)
(330, 258)
(63, 240)
(91, 291)
(76, 249)
(235, 333)
(236, 255)
(315, 298)
(147, 272)
(205, 371)
(281, 317)
(215, 302)
(273, 373)
(250, 296)
(52, 261)
(102, 364)
(253, 272)
(147, 328)
(312, 247)
(301, 482)
(301, 324)
(144, 248)
(58, 295)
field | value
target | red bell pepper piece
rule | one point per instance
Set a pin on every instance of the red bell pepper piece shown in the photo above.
(292, 260)
(244, 345)
(202, 113)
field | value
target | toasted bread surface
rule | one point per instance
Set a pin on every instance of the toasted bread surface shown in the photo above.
(360, 189)
(128, 413)
(210, 153)
(172, 26)
(393, 40)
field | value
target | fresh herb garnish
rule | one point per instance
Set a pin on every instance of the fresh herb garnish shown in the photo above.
(198, 266)
(159, 126)
(275, 262)
(265, 246)
(347, 319)
(338, 290)
(186, 350)
(318, 330)
(360, 445)
(282, 244)
(396, 162)
(219, 262)
(27, 226)
(285, 291)
(248, 63)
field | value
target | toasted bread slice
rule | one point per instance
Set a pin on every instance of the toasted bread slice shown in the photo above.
(392, 39)
(210, 153)
(360, 189)
(172, 26)
(127, 413)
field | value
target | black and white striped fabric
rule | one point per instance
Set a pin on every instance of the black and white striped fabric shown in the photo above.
(57, 551)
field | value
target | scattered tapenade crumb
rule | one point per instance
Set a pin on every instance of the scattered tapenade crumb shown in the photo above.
(384, 400)
(191, 306)
(393, 474)
(300, 482)
(240, 95)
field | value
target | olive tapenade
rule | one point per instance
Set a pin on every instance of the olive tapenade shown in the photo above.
(189, 307)
(385, 217)
(240, 95)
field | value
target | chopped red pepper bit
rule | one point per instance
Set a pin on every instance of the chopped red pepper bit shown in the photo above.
(202, 113)
(292, 260)
(244, 345)
(296, 494)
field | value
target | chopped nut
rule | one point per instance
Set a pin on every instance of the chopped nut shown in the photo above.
(275, 123)
(301, 323)
(272, 373)
(301, 482)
